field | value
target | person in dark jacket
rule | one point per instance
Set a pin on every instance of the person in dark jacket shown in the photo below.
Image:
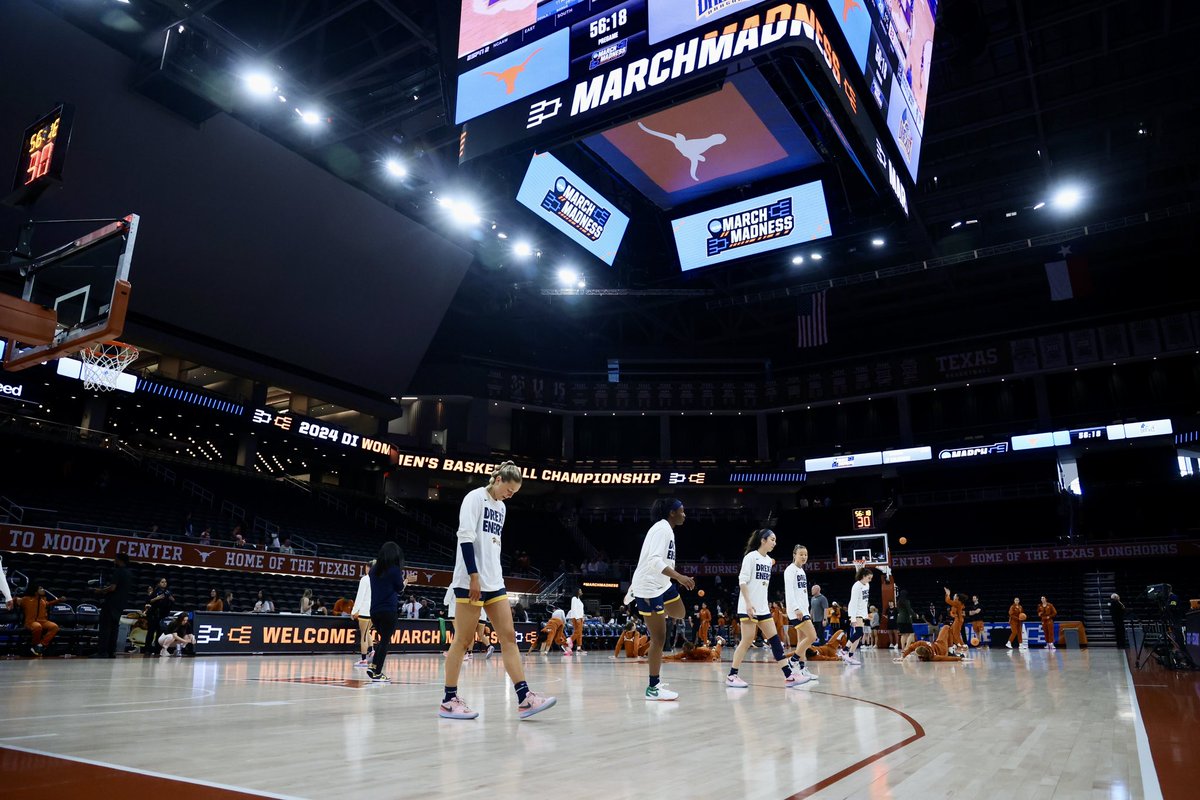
(1116, 611)
(387, 585)
(904, 619)
(116, 597)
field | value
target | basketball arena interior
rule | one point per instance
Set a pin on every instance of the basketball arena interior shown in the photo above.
(835, 363)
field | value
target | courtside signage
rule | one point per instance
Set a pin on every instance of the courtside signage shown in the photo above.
(762, 224)
(563, 199)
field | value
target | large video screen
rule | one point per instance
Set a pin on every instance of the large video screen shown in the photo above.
(759, 225)
(562, 198)
(737, 135)
(892, 42)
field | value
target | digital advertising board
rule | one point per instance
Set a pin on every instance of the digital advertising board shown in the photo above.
(564, 200)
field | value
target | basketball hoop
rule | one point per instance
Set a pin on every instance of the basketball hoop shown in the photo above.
(859, 563)
(103, 364)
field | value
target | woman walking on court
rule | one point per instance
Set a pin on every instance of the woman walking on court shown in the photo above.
(652, 588)
(478, 581)
(856, 612)
(387, 584)
(753, 612)
(360, 612)
(795, 593)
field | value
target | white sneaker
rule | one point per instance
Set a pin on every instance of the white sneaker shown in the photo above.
(659, 693)
(850, 659)
(1008, 645)
(1051, 646)
(735, 682)
(491, 649)
(804, 671)
(796, 680)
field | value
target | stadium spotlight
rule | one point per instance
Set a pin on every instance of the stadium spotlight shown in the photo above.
(581, 285)
(1040, 205)
(797, 260)
(309, 116)
(260, 83)
(461, 211)
(816, 256)
(522, 249)
(567, 276)
(396, 168)
(956, 225)
(1067, 198)
(877, 242)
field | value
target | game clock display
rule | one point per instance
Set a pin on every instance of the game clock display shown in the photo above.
(43, 153)
(864, 519)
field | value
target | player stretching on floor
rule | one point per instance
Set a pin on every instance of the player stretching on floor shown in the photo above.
(860, 594)
(935, 651)
(795, 592)
(651, 586)
(478, 581)
(634, 644)
(753, 612)
(831, 650)
(693, 653)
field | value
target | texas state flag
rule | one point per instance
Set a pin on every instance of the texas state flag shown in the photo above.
(1068, 277)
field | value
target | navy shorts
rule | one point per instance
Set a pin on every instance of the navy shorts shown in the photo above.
(759, 618)
(807, 618)
(657, 605)
(485, 598)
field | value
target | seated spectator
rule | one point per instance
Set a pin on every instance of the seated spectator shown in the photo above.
(275, 542)
(319, 608)
(178, 635)
(342, 607)
(240, 541)
(286, 548)
(264, 604)
(206, 535)
(8, 598)
(426, 611)
(34, 607)
(229, 601)
(306, 602)
(214, 601)
(411, 609)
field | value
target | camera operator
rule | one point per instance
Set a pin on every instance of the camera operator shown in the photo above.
(1116, 612)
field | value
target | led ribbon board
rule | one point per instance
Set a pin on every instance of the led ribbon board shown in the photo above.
(560, 197)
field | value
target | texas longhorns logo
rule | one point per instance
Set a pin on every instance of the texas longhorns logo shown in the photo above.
(509, 76)
(849, 6)
(691, 149)
(204, 554)
(429, 577)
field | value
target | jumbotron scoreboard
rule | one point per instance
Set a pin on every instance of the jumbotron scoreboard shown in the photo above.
(535, 73)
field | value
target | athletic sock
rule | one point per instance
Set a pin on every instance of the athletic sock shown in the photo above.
(654, 679)
(522, 689)
(451, 693)
(787, 671)
(733, 670)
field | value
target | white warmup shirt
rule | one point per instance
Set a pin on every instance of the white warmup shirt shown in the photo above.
(795, 591)
(576, 608)
(755, 575)
(559, 615)
(859, 600)
(658, 553)
(362, 600)
(480, 521)
(4, 584)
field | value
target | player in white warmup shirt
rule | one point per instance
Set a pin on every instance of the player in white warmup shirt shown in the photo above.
(651, 586)
(478, 582)
(860, 594)
(754, 612)
(795, 593)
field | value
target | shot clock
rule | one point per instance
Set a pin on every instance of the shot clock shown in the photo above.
(43, 153)
(864, 519)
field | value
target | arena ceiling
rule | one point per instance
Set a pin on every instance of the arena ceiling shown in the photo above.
(1025, 98)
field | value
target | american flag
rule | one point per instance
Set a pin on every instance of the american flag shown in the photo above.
(813, 330)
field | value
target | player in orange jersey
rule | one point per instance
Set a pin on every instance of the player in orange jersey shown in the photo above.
(1016, 615)
(694, 653)
(932, 651)
(634, 644)
(1046, 613)
(705, 624)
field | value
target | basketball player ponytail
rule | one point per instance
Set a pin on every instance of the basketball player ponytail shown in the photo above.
(508, 472)
(756, 539)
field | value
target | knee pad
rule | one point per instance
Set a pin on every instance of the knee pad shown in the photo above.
(776, 647)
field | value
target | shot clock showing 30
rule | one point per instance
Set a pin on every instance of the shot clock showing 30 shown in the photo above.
(43, 153)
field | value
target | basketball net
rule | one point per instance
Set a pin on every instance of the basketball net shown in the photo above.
(103, 364)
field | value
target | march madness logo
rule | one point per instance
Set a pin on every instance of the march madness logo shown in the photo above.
(747, 227)
(706, 8)
(576, 209)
